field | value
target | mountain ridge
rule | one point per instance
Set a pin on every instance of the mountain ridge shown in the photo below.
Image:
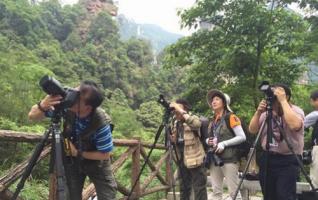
(158, 36)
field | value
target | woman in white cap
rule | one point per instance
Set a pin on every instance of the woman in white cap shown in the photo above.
(225, 133)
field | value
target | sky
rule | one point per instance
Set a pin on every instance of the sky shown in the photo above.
(159, 12)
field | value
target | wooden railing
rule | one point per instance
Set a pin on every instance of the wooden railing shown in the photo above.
(135, 148)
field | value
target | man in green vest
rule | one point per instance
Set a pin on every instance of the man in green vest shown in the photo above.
(88, 129)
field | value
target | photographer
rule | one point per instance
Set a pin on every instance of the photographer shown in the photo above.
(225, 133)
(89, 145)
(281, 167)
(311, 120)
(186, 136)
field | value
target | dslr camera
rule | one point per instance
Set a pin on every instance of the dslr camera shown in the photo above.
(266, 88)
(211, 157)
(166, 104)
(53, 87)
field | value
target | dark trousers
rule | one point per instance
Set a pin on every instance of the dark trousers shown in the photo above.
(195, 178)
(99, 172)
(281, 178)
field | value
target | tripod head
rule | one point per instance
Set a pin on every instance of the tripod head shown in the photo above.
(168, 110)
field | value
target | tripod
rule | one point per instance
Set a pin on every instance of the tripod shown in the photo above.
(168, 143)
(268, 121)
(56, 157)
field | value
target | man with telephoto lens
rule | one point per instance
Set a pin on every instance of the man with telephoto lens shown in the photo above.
(281, 167)
(89, 145)
(186, 135)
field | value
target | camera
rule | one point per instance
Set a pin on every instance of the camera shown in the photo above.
(165, 103)
(53, 87)
(211, 157)
(267, 89)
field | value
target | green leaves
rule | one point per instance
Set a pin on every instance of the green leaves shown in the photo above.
(248, 42)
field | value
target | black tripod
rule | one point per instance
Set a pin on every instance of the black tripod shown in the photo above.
(56, 157)
(164, 125)
(268, 123)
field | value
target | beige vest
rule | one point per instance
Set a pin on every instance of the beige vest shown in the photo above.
(193, 154)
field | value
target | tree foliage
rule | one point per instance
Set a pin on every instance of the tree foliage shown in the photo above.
(249, 41)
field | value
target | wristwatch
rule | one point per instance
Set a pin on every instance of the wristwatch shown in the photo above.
(40, 107)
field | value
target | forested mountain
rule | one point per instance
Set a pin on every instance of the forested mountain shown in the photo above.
(158, 37)
(74, 43)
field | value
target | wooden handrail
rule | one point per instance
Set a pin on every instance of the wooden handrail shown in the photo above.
(135, 150)
(15, 136)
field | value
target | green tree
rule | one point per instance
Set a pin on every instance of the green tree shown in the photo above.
(249, 41)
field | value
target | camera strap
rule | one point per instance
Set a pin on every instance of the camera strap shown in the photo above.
(216, 126)
(278, 121)
(180, 130)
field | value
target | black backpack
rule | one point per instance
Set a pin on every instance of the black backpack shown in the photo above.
(243, 148)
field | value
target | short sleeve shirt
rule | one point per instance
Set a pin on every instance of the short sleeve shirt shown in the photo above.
(278, 144)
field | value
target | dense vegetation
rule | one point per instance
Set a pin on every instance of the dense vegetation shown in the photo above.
(73, 45)
(250, 41)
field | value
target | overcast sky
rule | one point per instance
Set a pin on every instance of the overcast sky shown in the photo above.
(160, 12)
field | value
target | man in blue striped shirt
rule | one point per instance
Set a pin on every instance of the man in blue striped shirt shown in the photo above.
(90, 143)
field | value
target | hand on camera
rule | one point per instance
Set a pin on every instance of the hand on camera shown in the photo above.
(49, 102)
(262, 107)
(173, 138)
(220, 147)
(279, 92)
(73, 149)
(212, 142)
(176, 106)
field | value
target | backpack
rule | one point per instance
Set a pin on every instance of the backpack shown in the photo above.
(244, 147)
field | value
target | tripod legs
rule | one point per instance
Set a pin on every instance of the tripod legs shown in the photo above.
(58, 152)
(249, 160)
(60, 173)
(146, 160)
(163, 125)
(170, 149)
(31, 164)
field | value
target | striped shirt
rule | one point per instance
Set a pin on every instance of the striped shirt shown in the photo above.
(102, 139)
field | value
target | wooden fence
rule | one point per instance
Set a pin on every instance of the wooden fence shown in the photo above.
(135, 148)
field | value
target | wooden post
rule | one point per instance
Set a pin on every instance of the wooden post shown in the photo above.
(136, 170)
(168, 173)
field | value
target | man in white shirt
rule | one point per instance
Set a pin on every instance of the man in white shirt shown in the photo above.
(311, 120)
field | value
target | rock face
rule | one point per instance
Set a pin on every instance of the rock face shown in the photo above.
(96, 6)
